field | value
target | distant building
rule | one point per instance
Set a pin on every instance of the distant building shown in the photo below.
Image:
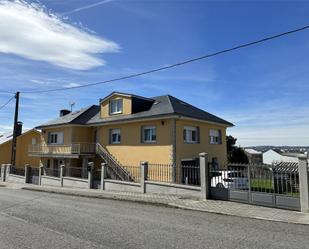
(275, 155)
(254, 156)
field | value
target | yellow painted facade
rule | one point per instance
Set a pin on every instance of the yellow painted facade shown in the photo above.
(126, 103)
(22, 157)
(169, 148)
(131, 150)
(189, 150)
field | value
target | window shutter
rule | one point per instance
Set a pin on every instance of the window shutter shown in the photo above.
(60, 138)
(198, 134)
(142, 134)
(220, 136)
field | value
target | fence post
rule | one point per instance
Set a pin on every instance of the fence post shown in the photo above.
(303, 183)
(41, 168)
(204, 175)
(3, 172)
(8, 169)
(27, 173)
(144, 175)
(103, 175)
(61, 174)
(90, 174)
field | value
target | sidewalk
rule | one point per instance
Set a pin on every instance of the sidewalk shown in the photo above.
(211, 206)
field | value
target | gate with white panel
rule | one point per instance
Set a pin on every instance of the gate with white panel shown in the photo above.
(273, 186)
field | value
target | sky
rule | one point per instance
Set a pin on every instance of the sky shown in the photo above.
(263, 90)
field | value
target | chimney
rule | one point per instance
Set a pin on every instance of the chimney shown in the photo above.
(64, 112)
(19, 128)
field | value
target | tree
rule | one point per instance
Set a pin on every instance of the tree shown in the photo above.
(235, 154)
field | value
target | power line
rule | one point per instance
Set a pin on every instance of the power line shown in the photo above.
(4, 105)
(176, 64)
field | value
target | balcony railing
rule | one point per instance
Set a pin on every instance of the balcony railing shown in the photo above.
(62, 149)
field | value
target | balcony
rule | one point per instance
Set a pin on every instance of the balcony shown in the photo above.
(73, 150)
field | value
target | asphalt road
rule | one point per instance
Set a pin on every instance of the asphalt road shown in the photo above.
(41, 220)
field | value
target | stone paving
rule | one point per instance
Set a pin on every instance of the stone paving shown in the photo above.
(212, 206)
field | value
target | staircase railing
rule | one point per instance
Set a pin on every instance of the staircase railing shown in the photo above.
(117, 170)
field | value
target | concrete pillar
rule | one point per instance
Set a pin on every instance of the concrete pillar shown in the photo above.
(62, 168)
(144, 175)
(41, 169)
(27, 173)
(8, 169)
(3, 172)
(90, 174)
(303, 183)
(103, 175)
(204, 176)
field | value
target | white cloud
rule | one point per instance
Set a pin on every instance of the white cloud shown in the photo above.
(71, 85)
(29, 31)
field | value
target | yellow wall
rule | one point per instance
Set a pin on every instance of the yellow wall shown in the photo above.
(131, 151)
(22, 157)
(82, 134)
(67, 134)
(184, 151)
(126, 106)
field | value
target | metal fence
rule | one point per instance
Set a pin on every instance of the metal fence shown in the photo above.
(257, 178)
(131, 173)
(76, 172)
(54, 172)
(160, 172)
(17, 171)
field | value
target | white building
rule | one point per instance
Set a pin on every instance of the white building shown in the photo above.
(274, 155)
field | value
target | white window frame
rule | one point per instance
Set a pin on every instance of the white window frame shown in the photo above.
(153, 132)
(117, 132)
(55, 138)
(188, 131)
(215, 136)
(118, 106)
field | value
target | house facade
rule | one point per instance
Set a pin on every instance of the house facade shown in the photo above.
(128, 129)
(24, 139)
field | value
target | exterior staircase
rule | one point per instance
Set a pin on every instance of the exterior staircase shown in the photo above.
(114, 168)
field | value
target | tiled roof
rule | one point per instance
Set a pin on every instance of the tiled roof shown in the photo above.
(162, 106)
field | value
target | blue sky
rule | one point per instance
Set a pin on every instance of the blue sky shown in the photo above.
(263, 89)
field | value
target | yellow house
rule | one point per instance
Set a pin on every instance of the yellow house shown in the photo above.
(23, 141)
(125, 129)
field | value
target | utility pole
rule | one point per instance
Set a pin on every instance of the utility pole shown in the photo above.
(13, 155)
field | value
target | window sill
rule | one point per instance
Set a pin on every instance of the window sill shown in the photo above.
(149, 142)
(188, 142)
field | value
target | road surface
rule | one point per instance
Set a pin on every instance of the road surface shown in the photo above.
(40, 220)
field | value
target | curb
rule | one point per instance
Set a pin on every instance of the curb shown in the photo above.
(111, 196)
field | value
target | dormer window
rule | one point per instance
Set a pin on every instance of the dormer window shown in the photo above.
(115, 106)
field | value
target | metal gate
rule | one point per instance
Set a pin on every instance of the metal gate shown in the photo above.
(33, 175)
(265, 185)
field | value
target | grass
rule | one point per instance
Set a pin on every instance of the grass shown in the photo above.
(266, 185)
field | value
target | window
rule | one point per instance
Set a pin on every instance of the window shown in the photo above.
(115, 106)
(149, 134)
(191, 134)
(115, 136)
(55, 137)
(33, 141)
(215, 136)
